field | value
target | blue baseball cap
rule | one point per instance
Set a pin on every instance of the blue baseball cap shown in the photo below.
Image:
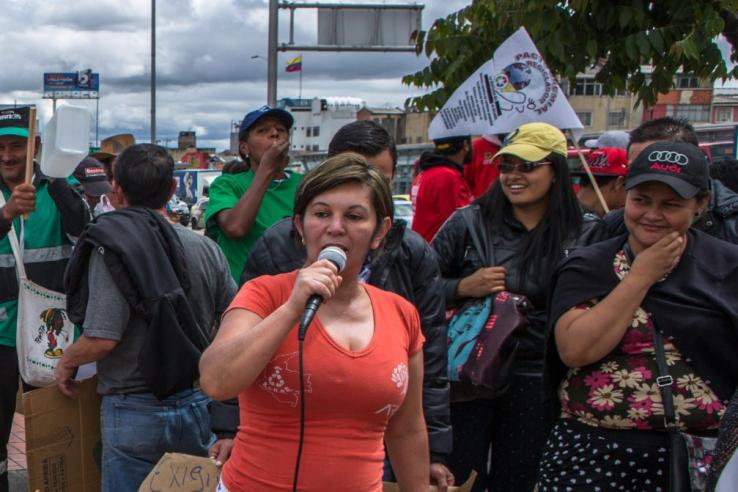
(254, 116)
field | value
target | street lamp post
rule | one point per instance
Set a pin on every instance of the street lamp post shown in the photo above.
(272, 54)
(153, 71)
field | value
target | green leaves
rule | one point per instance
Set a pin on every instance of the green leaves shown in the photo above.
(656, 40)
(686, 48)
(618, 36)
(625, 16)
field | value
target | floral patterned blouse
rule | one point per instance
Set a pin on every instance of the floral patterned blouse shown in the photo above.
(620, 391)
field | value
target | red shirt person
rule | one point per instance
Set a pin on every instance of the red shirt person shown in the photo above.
(482, 171)
(440, 188)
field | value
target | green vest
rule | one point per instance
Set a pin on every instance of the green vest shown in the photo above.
(43, 242)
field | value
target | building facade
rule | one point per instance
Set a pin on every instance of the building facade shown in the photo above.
(318, 119)
(597, 112)
(691, 99)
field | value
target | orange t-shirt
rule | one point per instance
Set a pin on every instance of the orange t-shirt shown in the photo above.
(349, 399)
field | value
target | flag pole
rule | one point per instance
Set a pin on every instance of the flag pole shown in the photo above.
(30, 144)
(589, 173)
(300, 95)
(30, 148)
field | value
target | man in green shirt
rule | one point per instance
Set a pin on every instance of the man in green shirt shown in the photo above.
(243, 205)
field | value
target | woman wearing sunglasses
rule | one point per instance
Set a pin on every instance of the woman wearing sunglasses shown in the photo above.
(527, 222)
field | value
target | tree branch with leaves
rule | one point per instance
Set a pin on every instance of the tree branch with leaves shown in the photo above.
(615, 37)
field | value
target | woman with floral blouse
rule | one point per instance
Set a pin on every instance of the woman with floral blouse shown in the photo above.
(608, 299)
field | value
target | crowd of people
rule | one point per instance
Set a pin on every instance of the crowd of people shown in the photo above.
(204, 345)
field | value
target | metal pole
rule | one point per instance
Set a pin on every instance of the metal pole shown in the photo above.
(97, 121)
(292, 26)
(153, 71)
(272, 54)
(53, 108)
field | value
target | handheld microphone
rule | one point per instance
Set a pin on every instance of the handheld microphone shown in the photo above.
(336, 256)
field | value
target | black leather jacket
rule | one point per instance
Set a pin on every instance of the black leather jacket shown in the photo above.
(406, 266)
(720, 220)
(458, 258)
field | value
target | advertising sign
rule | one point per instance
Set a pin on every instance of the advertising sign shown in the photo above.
(72, 85)
(186, 186)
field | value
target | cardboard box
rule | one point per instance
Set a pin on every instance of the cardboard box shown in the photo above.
(63, 444)
(176, 472)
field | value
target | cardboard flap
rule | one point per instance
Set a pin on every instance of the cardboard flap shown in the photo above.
(176, 472)
(63, 439)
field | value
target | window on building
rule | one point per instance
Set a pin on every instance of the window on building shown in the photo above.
(587, 87)
(315, 147)
(585, 118)
(616, 119)
(723, 114)
(309, 131)
(316, 131)
(621, 92)
(687, 82)
(691, 112)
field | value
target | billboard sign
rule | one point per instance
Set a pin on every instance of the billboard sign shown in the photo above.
(391, 26)
(72, 85)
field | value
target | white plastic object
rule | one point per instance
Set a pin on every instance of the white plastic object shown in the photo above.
(65, 141)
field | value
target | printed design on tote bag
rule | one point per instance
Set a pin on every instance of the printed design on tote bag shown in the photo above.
(52, 330)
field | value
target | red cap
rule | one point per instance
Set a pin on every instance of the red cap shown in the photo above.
(607, 162)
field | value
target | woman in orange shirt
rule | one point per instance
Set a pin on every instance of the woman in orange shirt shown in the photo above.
(363, 366)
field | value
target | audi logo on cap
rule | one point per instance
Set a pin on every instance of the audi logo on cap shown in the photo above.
(668, 156)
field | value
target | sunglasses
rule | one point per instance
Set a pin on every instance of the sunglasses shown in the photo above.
(522, 167)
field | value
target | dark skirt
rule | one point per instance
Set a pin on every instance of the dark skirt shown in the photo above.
(579, 457)
(514, 426)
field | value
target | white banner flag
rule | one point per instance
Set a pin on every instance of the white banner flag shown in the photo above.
(512, 88)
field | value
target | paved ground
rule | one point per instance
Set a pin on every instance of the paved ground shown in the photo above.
(18, 480)
(17, 444)
(17, 455)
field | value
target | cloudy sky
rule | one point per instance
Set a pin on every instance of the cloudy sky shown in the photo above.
(206, 77)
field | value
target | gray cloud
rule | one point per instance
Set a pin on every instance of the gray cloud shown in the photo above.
(205, 75)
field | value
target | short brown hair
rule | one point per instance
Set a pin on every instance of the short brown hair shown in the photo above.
(341, 169)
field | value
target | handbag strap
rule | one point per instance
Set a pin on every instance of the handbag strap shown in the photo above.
(664, 381)
(14, 245)
(472, 226)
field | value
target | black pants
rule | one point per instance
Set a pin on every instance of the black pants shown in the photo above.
(515, 426)
(8, 390)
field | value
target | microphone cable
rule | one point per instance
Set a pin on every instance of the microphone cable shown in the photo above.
(336, 256)
(301, 372)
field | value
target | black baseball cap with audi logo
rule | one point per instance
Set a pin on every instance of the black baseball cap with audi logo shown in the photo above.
(681, 166)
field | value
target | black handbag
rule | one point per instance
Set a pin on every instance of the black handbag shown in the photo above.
(489, 363)
(687, 473)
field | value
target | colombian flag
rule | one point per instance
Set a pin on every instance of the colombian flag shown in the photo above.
(295, 64)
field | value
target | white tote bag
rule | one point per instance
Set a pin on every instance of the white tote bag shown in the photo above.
(43, 329)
